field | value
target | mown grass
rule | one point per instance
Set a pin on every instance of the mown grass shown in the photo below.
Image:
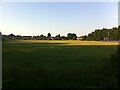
(69, 42)
(44, 65)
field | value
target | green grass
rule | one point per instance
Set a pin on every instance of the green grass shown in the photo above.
(42, 65)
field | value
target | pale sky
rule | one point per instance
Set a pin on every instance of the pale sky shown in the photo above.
(36, 18)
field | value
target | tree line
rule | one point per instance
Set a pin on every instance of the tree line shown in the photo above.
(97, 35)
(103, 34)
(70, 36)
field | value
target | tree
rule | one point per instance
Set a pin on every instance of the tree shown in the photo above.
(49, 35)
(41, 35)
(101, 34)
(11, 36)
(72, 36)
(58, 35)
(84, 37)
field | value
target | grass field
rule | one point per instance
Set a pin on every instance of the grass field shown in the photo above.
(62, 64)
(68, 42)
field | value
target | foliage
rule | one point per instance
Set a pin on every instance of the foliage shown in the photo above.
(72, 36)
(49, 35)
(84, 37)
(104, 34)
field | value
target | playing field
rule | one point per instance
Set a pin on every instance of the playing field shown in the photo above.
(68, 42)
(35, 63)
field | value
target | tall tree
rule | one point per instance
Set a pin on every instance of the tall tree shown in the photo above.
(49, 35)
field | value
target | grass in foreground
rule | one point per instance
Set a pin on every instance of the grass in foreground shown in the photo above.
(44, 64)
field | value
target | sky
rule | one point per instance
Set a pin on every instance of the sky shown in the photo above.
(36, 18)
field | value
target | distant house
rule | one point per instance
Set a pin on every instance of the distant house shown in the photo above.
(11, 36)
(42, 37)
(53, 38)
(27, 37)
(36, 38)
(18, 37)
(79, 38)
(5, 37)
(49, 38)
(64, 38)
(56, 38)
(105, 39)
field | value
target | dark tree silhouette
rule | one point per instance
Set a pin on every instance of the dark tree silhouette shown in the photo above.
(72, 36)
(49, 35)
(103, 34)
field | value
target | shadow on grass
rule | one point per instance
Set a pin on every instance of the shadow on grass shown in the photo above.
(42, 68)
(112, 71)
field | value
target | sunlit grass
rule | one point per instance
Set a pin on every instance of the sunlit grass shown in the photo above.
(69, 42)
